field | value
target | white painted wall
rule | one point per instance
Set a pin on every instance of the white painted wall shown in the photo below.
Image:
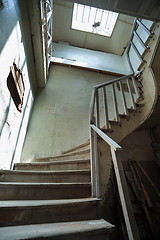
(13, 124)
(89, 58)
(62, 17)
(65, 125)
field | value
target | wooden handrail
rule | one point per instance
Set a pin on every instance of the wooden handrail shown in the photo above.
(107, 139)
(112, 81)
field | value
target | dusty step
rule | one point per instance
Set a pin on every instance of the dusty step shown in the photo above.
(55, 165)
(47, 211)
(83, 154)
(68, 176)
(83, 146)
(43, 191)
(86, 230)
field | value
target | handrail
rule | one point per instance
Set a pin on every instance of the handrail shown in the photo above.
(112, 81)
(144, 27)
(131, 43)
(107, 139)
(115, 148)
(91, 115)
(128, 213)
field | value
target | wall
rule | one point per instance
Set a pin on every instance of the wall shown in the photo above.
(62, 18)
(138, 146)
(13, 124)
(89, 58)
(60, 118)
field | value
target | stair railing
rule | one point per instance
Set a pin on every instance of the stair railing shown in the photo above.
(95, 129)
(135, 36)
(120, 178)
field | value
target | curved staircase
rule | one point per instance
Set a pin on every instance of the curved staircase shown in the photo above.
(58, 197)
(51, 199)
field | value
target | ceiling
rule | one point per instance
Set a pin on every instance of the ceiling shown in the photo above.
(62, 17)
(148, 9)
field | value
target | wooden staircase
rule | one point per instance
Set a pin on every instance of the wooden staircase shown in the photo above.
(51, 199)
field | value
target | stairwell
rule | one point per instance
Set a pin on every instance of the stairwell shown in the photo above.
(58, 197)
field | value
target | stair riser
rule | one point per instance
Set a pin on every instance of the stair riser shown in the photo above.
(52, 167)
(47, 214)
(63, 157)
(46, 178)
(26, 192)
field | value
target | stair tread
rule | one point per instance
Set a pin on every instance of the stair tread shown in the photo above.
(44, 184)
(82, 152)
(54, 162)
(57, 230)
(44, 172)
(36, 203)
(78, 148)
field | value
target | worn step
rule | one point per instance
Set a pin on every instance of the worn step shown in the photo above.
(83, 146)
(55, 165)
(68, 176)
(43, 191)
(86, 230)
(47, 211)
(82, 154)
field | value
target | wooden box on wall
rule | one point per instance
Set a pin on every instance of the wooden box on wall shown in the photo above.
(16, 87)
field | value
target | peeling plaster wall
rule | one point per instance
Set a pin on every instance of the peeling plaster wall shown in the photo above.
(13, 124)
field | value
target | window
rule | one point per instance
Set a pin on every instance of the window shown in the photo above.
(95, 20)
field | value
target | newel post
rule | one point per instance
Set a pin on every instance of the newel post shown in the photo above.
(95, 187)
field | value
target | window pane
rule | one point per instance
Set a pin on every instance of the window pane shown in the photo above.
(94, 20)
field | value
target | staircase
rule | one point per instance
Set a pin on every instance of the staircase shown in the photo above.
(51, 199)
(59, 197)
(117, 108)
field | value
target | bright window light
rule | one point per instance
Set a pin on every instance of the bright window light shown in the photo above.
(95, 20)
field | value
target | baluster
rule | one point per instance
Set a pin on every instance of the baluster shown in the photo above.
(115, 103)
(135, 87)
(95, 188)
(105, 108)
(123, 99)
(131, 94)
(97, 108)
